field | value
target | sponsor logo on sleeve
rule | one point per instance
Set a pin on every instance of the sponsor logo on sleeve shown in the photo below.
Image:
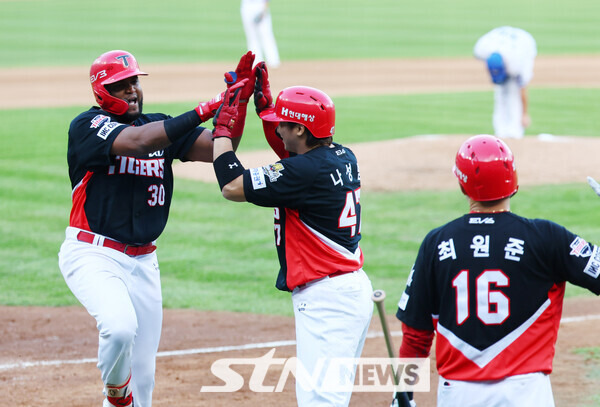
(98, 121)
(580, 248)
(273, 171)
(592, 268)
(258, 178)
(403, 301)
(106, 129)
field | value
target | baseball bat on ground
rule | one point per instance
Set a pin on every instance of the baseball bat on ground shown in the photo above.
(378, 297)
(400, 398)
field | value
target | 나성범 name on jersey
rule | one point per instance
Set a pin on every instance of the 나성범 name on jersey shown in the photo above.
(480, 247)
(337, 177)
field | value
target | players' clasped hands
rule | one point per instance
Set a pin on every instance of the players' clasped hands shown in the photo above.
(242, 83)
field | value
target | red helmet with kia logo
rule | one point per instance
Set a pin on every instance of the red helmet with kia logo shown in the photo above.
(485, 168)
(111, 67)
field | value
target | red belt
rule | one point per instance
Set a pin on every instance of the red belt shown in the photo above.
(128, 249)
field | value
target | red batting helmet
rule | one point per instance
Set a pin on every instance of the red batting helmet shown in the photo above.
(485, 168)
(304, 105)
(111, 67)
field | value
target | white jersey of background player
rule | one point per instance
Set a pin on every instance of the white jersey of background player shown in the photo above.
(509, 53)
(256, 18)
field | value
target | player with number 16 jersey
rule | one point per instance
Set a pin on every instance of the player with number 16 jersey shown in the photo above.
(491, 285)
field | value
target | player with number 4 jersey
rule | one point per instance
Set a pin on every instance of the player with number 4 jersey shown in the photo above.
(315, 192)
(491, 284)
(317, 196)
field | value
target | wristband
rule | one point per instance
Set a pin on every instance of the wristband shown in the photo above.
(177, 127)
(227, 168)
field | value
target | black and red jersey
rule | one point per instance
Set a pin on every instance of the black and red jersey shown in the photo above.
(124, 198)
(492, 286)
(316, 197)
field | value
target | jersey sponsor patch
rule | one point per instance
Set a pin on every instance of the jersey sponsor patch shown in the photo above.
(98, 121)
(258, 178)
(107, 129)
(580, 248)
(593, 266)
(273, 171)
(403, 301)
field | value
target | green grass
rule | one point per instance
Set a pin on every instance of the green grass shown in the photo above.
(370, 118)
(67, 32)
(210, 258)
(591, 359)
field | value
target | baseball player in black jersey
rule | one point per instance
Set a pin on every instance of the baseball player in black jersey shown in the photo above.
(491, 284)
(315, 190)
(120, 169)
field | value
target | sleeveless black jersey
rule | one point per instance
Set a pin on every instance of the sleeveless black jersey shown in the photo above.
(124, 198)
(316, 197)
(491, 286)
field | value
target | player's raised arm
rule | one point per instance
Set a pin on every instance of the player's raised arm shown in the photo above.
(263, 102)
(228, 168)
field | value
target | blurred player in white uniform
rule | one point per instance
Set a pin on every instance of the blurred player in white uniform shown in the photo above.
(258, 27)
(509, 53)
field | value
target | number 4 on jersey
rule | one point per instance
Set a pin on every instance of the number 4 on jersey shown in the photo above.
(348, 217)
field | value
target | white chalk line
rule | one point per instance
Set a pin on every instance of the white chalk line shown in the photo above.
(219, 349)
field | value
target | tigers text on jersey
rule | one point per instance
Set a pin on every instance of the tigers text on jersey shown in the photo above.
(124, 198)
(316, 196)
(492, 287)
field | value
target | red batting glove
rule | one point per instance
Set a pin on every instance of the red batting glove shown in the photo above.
(207, 110)
(227, 113)
(243, 71)
(262, 89)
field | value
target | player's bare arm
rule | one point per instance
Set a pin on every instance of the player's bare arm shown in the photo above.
(202, 149)
(526, 119)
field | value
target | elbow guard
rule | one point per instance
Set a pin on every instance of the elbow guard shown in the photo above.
(227, 168)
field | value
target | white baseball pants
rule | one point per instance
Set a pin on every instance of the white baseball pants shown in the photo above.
(508, 110)
(123, 294)
(332, 318)
(259, 35)
(526, 390)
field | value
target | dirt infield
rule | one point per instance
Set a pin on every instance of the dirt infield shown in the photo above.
(46, 354)
(60, 346)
